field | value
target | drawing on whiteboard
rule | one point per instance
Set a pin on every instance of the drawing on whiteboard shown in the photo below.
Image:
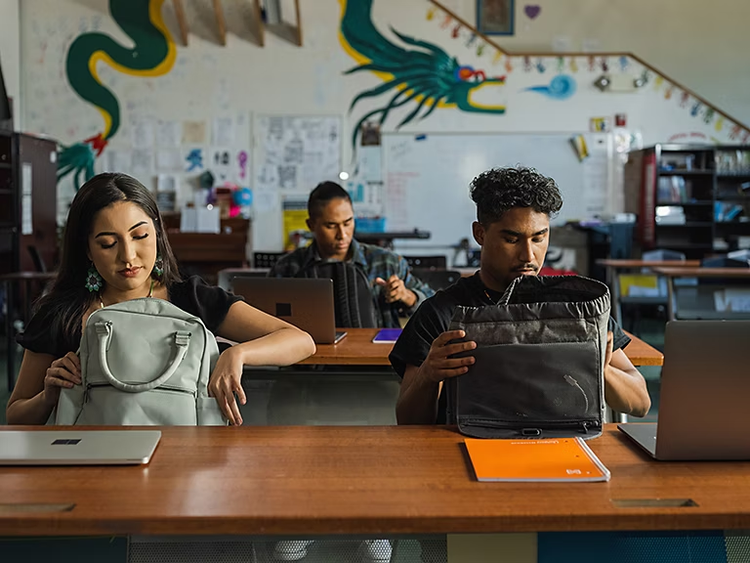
(153, 54)
(562, 87)
(422, 75)
(295, 153)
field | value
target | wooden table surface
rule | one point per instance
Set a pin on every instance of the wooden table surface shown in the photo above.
(628, 263)
(704, 272)
(357, 348)
(357, 480)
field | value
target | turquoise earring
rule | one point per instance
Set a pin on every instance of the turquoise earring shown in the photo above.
(158, 270)
(94, 280)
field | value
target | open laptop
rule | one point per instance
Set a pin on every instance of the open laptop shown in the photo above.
(304, 302)
(77, 447)
(705, 385)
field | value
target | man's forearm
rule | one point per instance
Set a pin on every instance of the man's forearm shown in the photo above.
(417, 401)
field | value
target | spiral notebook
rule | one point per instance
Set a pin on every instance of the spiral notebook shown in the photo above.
(550, 459)
(387, 335)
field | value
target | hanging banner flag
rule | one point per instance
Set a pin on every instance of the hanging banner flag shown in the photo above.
(573, 65)
(605, 64)
(684, 99)
(540, 65)
(446, 22)
(624, 63)
(735, 132)
(480, 49)
(592, 64)
(696, 109)
(560, 64)
(527, 64)
(719, 124)
(658, 82)
(668, 93)
(497, 57)
(745, 137)
(708, 116)
(508, 65)
(471, 40)
(431, 13)
(456, 30)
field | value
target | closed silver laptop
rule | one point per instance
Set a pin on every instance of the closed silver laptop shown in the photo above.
(705, 385)
(306, 303)
(77, 447)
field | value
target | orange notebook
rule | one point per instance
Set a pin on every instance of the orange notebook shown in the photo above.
(550, 459)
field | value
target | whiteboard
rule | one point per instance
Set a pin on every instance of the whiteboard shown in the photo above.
(295, 153)
(427, 177)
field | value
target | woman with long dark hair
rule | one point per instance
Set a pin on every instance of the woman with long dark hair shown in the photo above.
(115, 249)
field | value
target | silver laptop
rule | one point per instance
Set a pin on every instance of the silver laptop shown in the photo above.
(77, 447)
(304, 302)
(705, 385)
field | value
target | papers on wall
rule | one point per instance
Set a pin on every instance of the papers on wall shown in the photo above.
(596, 175)
(119, 161)
(27, 222)
(168, 133)
(370, 163)
(142, 165)
(222, 133)
(167, 186)
(193, 132)
(168, 160)
(221, 165)
(295, 153)
(142, 133)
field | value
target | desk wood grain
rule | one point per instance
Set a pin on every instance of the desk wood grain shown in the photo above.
(704, 272)
(358, 480)
(358, 349)
(627, 263)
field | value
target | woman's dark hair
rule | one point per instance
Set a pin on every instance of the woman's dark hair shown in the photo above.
(500, 189)
(322, 194)
(68, 298)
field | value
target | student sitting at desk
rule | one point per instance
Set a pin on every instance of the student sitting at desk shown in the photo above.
(513, 218)
(331, 220)
(115, 249)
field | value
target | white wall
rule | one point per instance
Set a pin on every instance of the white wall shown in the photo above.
(242, 79)
(10, 55)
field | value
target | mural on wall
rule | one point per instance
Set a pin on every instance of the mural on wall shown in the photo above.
(561, 87)
(421, 74)
(153, 54)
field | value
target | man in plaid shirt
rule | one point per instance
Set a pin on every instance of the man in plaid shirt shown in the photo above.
(331, 220)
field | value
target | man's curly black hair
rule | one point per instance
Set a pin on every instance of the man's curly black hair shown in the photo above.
(500, 189)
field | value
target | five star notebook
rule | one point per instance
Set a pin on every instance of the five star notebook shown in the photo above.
(550, 459)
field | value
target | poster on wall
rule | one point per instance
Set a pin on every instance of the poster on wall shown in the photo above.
(295, 153)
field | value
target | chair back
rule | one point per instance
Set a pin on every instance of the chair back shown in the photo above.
(266, 259)
(435, 262)
(352, 299)
(437, 279)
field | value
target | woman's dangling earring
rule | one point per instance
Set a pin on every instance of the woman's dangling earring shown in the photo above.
(158, 270)
(94, 280)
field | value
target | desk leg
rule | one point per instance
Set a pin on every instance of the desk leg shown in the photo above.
(670, 299)
(9, 340)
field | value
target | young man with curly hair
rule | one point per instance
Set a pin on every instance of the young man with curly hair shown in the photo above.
(514, 207)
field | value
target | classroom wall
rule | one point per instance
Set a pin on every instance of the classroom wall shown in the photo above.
(697, 43)
(10, 54)
(153, 82)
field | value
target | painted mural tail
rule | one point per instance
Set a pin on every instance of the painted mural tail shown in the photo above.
(418, 73)
(153, 54)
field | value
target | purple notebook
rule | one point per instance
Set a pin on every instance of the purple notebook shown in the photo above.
(387, 335)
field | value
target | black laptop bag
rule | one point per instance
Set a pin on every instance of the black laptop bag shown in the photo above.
(539, 369)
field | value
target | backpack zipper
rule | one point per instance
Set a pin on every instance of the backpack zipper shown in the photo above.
(170, 388)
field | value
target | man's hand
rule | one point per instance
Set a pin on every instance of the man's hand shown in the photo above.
(395, 290)
(438, 365)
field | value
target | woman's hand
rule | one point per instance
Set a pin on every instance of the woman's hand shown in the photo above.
(63, 372)
(225, 381)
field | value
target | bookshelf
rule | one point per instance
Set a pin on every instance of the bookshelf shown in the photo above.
(693, 199)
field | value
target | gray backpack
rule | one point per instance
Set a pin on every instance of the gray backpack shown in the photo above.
(143, 362)
(539, 370)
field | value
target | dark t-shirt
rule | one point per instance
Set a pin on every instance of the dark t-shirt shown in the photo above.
(434, 317)
(209, 303)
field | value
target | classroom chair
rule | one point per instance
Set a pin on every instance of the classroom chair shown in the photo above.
(352, 299)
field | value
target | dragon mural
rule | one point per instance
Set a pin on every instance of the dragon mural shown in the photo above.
(418, 73)
(153, 54)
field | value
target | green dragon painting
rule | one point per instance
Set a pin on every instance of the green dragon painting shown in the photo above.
(420, 73)
(153, 54)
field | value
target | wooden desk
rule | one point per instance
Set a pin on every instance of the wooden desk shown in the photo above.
(26, 278)
(670, 273)
(358, 349)
(614, 264)
(357, 480)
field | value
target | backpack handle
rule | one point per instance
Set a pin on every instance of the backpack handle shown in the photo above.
(104, 333)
